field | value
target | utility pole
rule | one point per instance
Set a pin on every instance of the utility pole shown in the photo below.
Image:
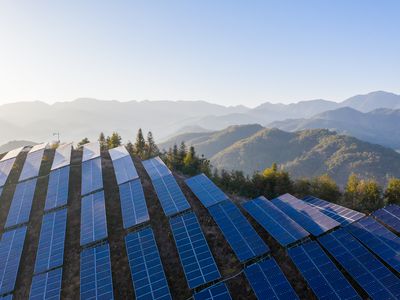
(58, 136)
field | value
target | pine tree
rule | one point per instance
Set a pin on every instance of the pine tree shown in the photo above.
(392, 193)
(83, 142)
(182, 151)
(114, 140)
(102, 141)
(129, 147)
(152, 149)
(140, 144)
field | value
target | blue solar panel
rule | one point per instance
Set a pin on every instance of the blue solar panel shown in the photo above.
(11, 245)
(125, 169)
(96, 278)
(337, 212)
(93, 218)
(156, 168)
(390, 216)
(362, 265)
(46, 285)
(218, 291)
(8, 297)
(133, 204)
(21, 203)
(57, 190)
(205, 190)
(92, 178)
(321, 274)
(274, 221)
(146, 268)
(91, 151)
(379, 240)
(31, 165)
(195, 255)
(50, 253)
(310, 218)
(242, 237)
(5, 169)
(268, 281)
(170, 195)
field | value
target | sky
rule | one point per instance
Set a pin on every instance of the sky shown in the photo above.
(225, 52)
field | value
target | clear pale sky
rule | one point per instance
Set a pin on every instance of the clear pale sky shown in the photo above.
(226, 52)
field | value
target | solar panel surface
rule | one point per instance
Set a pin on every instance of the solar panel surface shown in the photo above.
(133, 204)
(268, 281)
(310, 218)
(31, 165)
(92, 178)
(5, 169)
(156, 168)
(50, 253)
(46, 285)
(241, 236)
(96, 278)
(362, 265)
(8, 297)
(12, 154)
(118, 152)
(11, 245)
(218, 291)
(205, 190)
(147, 272)
(57, 190)
(93, 218)
(390, 216)
(195, 255)
(125, 169)
(320, 272)
(274, 221)
(91, 151)
(21, 204)
(38, 147)
(62, 156)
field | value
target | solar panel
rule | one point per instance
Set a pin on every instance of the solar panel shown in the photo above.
(242, 237)
(205, 190)
(118, 152)
(320, 272)
(21, 204)
(93, 218)
(62, 156)
(379, 240)
(310, 218)
(38, 147)
(57, 190)
(147, 272)
(1, 191)
(195, 255)
(170, 195)
(337, 212)
(96, 278)
(268, 281)
(92, 178)
(362, 265)
(390, 216)
(91, 151)
(125, 169)
(218, 291)
(50, 253)
(31, 165)
(156, 168)
(8, 297)
(133, 204)
(11, 245)
(274, 221)
(5, 169)
(46, 286)
(12, 154)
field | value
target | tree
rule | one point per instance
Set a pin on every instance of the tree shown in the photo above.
(129, 147)
(325, 187)
(275, 182)
(350, 191)
(152, 149)
(102, 141)
(114, 140)
(363, 195)
(182, 151)
(392, 193)
(140, 144)
(83, 142)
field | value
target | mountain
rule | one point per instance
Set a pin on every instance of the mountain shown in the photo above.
(372, 101)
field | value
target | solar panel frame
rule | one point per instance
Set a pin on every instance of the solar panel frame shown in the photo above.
(32, 165)
(218, 291)
(12, 154)
(57, 190)
(280, 226)
(241, 236)
(46, 285)
(50, 252)
(118, 152)
(148, 276)
(133, 204)
(62, 156)
(95, 273)
(194, 253)
(90, 151)
(21, 203)
(11, 246)
(124, 170)
(156, 168)
(5, 169)
(92, 177)
(390, 216)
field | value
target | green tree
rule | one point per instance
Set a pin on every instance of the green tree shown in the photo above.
(182, 151)
(275, 182)
(363, 195)
(140, 144)
(129, 147)
(392, 193)
(83, 142)
(102, 141)
(152, 148)
(114, 140)
(325, 187)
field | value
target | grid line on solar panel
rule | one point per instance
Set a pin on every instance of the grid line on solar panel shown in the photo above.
(124, 169)
(5, 169)
(320, 272)
(147, 272)
(31, 165)
(156, 168)
(12, 154)
(310, 218)
(57, 191)
(92, 178)
(62, 156)
(21, 203)
(46, 285)
(95, 274)
(337, 212)
(91, 151)
(50, 253)
(274, 221)
(11, 245)
(93, 218)
(195, 255)
(133, 204)
(218, 291)
(361, 264)
(268, 281)
(205, 190)
(379, 240)
(390, 216)
(241, 236)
